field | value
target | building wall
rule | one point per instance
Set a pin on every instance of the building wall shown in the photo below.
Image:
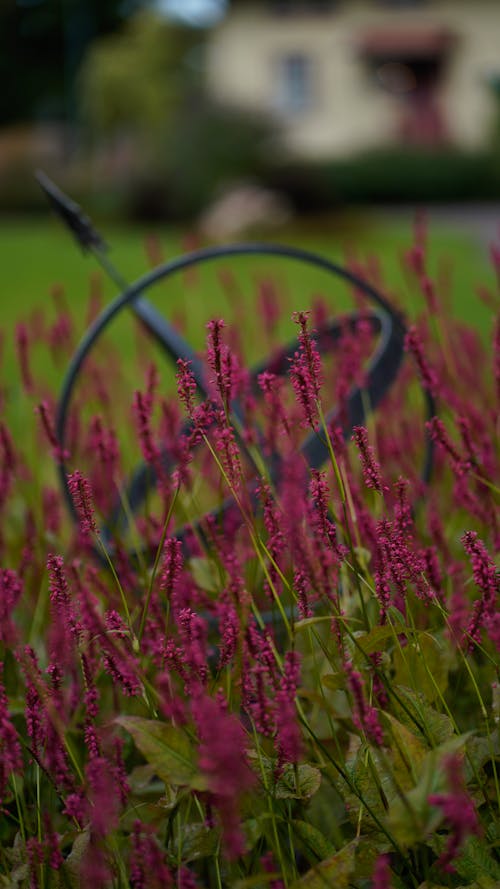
(349, 110)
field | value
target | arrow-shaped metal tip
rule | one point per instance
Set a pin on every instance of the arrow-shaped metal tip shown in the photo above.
(71, 214)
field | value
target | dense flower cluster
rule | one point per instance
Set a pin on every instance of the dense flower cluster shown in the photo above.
(237, 669)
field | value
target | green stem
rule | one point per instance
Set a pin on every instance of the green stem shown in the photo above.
(117, 581)
(155, 566)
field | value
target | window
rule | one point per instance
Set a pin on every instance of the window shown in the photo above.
(294, 83)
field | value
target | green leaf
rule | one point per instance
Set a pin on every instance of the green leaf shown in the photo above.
(17, 858)
(312, 838)
(257, 881)
(167, 749)
(475, 859)
(407, 752)
(372, 641)
(428, 885)
(194, 841)
(334, 681)
(368, 850)
(396, 618)
(372, 793)
(300, 782)
(311, 621)
(417, 715)
(334, 871)
(205, 574)
(480, 751)
(253, 829)
(143, 782)
(421, 665)
(73, 863)
(484, 883)
(364, 555)
(414, 820)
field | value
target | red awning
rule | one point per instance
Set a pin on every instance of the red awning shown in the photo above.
(418, 42)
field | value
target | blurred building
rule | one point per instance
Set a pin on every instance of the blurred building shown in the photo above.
(343, 76)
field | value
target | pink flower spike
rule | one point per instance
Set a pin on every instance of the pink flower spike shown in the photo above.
(381, 876)
(437, 431)
(371, 469)
(458, 810)
(44, 412)
(222, 361)
(142, 407)
(222, 758)
(8, 458)
(429, 291)
(496, 356)
(186, 385)
(309, 351)
(22, 348)
(414, 344)
(306, 371)
(81, 493)
(365, 717)
(488, 581)
(148, 868)
(11, 758)
(171, 566)
(288, 734)
(10, 592)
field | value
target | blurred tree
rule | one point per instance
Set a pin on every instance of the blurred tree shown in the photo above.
(157, 137)
(42, 43)
(133, 80)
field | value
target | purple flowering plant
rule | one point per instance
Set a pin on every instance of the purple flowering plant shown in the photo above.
(301, 692)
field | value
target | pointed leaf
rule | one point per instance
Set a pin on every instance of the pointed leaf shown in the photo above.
(484, 883)
(334, 681)
(167, 749)
(475, 859)
(372, 641)
(407, 753)
(311, 621)
(480, 751)
(421, 665)
(302, 783)
(257, 881)
(194, 841)
(369, 849)
(73, 863)
(414, 820)
(334, 871)
(253, 829)
(205, 574)
(312, 838)
(417, 715)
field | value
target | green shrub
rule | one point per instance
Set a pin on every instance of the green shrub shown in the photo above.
(395, 175)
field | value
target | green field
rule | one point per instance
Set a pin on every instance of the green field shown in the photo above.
(38, 253)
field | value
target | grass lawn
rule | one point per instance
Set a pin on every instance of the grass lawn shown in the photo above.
(37, 253)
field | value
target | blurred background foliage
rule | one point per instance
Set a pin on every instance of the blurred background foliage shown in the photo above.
(42, 46)
(110, 97)
(134, 81)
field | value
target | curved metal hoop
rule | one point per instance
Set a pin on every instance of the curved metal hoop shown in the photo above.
(381, 373)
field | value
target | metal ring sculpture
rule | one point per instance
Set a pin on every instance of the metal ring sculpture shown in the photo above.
(381, 373)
